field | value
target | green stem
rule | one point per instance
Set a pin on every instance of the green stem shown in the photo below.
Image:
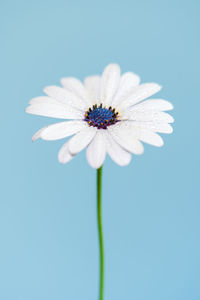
(100, 231)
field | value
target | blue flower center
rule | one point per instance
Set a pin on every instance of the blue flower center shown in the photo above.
(101, 117)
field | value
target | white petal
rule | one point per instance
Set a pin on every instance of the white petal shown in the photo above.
(65, 97)
(61, 130)
(78, 142)
(148, 137)
(42, 100)
(123, 135)
(151, 138)
(109, 83)
(64, 156)
(116, 152)
(146, 116)
(96, 150)
(140, 93)
(36, 136)
(154, 126)
(75, 86)
(153, 104)
(56, 110)
(127, 84)
(92, 85)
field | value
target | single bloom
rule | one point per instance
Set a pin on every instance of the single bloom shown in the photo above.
(105, 114)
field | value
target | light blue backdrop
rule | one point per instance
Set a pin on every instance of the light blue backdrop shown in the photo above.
(151, 209)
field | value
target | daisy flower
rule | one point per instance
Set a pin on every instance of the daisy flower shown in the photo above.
(105, 114)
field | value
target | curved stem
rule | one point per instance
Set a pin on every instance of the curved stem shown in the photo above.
(100, 231)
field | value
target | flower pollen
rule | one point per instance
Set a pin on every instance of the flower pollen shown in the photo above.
(101, 117)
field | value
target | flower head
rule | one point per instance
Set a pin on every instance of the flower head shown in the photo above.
(104, 114)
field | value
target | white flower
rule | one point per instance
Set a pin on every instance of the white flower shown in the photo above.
(107, 115)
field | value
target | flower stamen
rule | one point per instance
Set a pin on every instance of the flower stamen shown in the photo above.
(101, 117)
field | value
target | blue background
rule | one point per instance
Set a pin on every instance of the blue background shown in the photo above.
(151, 209)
